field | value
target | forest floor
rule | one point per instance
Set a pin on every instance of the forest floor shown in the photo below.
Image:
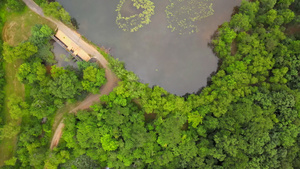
(293, 29)
(12, 88)
(16, 30)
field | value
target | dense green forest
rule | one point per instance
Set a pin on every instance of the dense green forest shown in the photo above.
(248, 116)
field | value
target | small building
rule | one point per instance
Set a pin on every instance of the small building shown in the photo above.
(71, 46)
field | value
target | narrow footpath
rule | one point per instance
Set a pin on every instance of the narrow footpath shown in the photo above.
(112, 80)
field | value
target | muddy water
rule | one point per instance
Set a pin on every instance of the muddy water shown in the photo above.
(178, 63)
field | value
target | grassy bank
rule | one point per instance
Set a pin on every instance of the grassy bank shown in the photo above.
(16, 29)
(12, 87)
(18, 26)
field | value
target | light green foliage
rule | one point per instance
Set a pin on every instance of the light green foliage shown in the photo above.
(108, 143)
(17, 107)
(11, 161)
(9, 130)
(271, 16)
(287, 15)
(56, 159)
(195, 119)
(31, 73)
(182, 15)
(228, 34)
(22, 51)
(279, 75)
(136, 21)
(93, 79)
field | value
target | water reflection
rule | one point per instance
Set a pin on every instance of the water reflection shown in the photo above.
(180, 64)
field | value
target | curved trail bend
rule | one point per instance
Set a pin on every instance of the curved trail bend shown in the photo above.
(112, 80)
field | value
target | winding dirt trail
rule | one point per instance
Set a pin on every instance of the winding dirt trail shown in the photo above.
(85, 104)
(112, 80)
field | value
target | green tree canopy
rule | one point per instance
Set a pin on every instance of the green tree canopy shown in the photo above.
(22, 51)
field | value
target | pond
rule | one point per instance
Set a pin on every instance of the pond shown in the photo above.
(63, 57)
(178, 63)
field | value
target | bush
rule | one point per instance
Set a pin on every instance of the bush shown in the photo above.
(55, 10)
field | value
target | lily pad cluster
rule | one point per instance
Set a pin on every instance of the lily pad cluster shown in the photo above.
(182, 15)
(135, 22)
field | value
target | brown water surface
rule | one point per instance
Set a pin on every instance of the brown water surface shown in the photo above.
(178, 63)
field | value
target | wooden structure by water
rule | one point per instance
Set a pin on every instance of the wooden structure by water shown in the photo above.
(65, 42)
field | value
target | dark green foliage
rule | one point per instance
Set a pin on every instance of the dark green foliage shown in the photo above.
(2, 83)
(83, 161)
(40, 2)
(2, 73)
(267, 4)
(257, 130)
(40, 35)
(33, 143)
(15, 5)
(65, 84)
(55, 10)
(46, 54)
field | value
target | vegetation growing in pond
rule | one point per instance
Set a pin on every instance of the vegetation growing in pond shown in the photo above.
(182, 14)
(135, 22)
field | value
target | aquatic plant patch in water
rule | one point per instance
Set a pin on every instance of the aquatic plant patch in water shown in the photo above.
(134, 22)
(182, 14)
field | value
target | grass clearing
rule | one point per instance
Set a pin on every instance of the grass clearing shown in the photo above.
(12, 87)
(18, 26)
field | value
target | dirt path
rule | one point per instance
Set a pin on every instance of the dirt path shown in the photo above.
(90, 100)
(112, 80)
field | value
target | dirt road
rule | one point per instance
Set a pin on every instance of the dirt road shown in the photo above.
(85, 104)
(112, 80)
